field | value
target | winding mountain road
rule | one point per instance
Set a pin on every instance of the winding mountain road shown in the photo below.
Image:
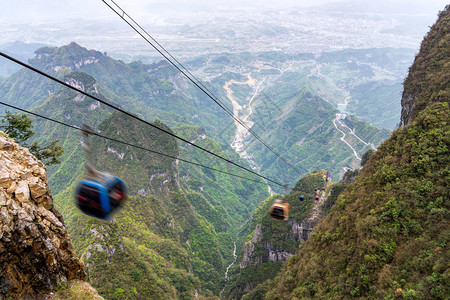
(343, 137)
(352, 131)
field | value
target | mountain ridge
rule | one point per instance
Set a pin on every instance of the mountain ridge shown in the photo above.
(175, 237)
(386, 236)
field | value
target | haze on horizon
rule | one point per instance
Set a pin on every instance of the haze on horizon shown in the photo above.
(25, 11)
(196, 27)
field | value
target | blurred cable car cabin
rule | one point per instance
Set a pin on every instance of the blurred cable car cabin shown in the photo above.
(98, 194)
(317, 198)
(279, 210)
(301, 198)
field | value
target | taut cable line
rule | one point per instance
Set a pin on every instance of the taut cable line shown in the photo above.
(134, 116)
(124, 15)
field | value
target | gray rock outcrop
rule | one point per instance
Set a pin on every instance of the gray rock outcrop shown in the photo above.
(35, 250)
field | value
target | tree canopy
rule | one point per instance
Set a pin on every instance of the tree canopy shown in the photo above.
(20, 127)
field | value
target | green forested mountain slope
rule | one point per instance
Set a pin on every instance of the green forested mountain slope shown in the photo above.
(231, 198)
(68, 106)
(26, 88)
(153, 91)
(159, 86)
(157, 246)
(387, 235)
(181, 220)
(287, 105)
(267, 243)
(314, 142)
(429, 77)
(175, 236)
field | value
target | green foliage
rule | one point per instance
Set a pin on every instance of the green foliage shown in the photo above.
(350, 175)
(17, 126)
(366, 156)
(74, 290)
(49, 154)
(274, 235)
(335, 190)
(118, 292)
(252, 276)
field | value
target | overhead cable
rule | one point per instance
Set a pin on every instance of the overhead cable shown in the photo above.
(129, 144)
(133, 116)
(122, 14)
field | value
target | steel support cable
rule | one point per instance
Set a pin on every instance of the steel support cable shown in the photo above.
(193, 79)
(134, 117)
(129, 144)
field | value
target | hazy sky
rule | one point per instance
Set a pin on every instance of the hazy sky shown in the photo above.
(23, 11)
(59, 22)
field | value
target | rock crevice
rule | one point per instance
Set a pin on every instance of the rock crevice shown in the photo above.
(35, 250)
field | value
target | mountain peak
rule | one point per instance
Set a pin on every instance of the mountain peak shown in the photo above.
(71, 56)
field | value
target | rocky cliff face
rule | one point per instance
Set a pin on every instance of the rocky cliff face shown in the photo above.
(35, 249)
(273, 242)
(299, 232)
(429, 80)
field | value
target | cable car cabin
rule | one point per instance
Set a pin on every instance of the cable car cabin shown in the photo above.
(100, 195)
(301, 198)
(323, 189)
(279, 210)
(317, 198)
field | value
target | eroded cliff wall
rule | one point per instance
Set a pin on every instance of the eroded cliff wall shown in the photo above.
(35, 249)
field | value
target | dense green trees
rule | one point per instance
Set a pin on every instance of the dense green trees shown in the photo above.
(368, 154)
(20, 127)
(17, 126)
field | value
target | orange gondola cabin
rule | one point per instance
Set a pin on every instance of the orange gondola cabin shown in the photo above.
(279, 210)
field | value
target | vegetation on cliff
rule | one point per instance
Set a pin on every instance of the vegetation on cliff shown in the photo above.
(268, 243)
(429, 77)
(388, 234)
(19, 127)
